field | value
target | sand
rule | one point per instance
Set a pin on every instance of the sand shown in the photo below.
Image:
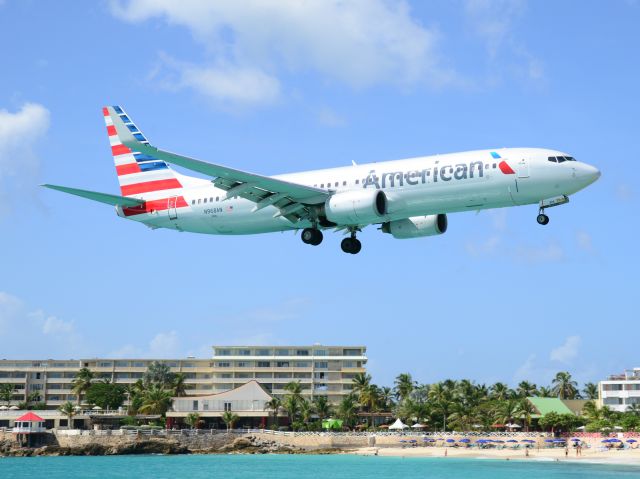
(592, 455)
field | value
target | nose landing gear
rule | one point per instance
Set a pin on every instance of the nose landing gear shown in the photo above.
(542, 219)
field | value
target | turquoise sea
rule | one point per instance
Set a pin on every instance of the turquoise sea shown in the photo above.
(286, 467)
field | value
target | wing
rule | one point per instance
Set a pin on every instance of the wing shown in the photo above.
(292, 199)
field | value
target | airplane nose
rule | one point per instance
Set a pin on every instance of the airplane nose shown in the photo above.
(588, 174)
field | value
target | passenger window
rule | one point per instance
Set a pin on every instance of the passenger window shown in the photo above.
(560, 159)
(217, 198)
(344, 183)
(205, 200)
(336, 184)
(553, 159)
(357, 182)
(193, 202)
(211, 200)
(494, 166)
(321, 185)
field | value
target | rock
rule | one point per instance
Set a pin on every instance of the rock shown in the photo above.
(241, 442)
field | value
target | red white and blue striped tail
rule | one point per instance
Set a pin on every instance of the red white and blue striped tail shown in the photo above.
(139, 175)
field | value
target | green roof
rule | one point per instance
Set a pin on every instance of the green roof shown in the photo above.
(547, 405)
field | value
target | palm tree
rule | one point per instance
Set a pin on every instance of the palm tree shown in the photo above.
(160, 374)
(462, 417)
(526, 389)
(590, 391)
(156, 400)
(274, 405)
(386, 398)
(545, 392)
(361, 381)
(564, 386)
(526, 412)
(294, 388)
(229, 419)
(322, 407)
(507, 410)
(634, 409)
(501, 391)
(591, 412)
(306, 410)
(368, 399)
(192, 419)
(69, 410)
(347, 410)
(404, 384)
(179, 386)
(291, 404)
(441, 396)
(82, 382)
(6, 393)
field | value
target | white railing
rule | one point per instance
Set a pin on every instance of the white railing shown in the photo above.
(145, 432)
(444, 435)
(28, 430)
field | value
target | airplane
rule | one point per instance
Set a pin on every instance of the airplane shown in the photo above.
(408, 198)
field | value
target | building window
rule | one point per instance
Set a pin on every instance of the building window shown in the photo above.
(244, 352)
(282, 364)
(321, 365)
(302, 352)
(223, 352)
(263, 352)
(122, 364)
(227, 406)
(224, 365)
(352, 352)
(263, 364)
(320, 352)
(194, 406)
(243, 364)
(282, 352)
(302, 364)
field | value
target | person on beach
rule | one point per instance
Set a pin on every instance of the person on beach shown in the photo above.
(566, 451)
(526, 452)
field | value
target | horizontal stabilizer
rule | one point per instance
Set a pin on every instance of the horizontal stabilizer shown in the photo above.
(114, 200)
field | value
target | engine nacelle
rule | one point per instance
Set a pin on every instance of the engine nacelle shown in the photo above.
(416, 226)
(356, 207)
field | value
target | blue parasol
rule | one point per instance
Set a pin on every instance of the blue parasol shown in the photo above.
(465, 440)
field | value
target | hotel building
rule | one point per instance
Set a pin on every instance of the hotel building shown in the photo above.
(620, 391)
(321, 370)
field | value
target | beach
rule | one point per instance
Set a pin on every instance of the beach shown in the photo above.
(591, 455)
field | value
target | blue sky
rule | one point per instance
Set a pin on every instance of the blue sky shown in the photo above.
(276, 88)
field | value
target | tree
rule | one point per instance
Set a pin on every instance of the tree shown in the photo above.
(590, 391)
(347, 410)
(6, 393)
(386, 398)
(526, 389)
(634, 409)
(322, 407)
(159, 373)
(274, 405)
(306, 410)
(564, 386)
(360, 381)
(106, 395)
(545, 392)
(179, 386)
(291, 404)
(403, 385)
(192, 419)
(69, 410)
(500, 391)
(82, 382)
(507, 410)
(229, 419)
(155, 400)
(526, 412)
(441, 397)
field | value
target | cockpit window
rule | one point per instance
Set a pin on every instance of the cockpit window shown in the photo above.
(561, 159)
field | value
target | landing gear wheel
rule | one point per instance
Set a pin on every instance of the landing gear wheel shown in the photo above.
(542, 219)
(351, 245)
(311, 236)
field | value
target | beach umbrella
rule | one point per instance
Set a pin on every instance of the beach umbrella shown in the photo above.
(4, 408)
(418, 426)
(477, 426)
(531, 441)
(451, 440)
(619, 428)
(465, 440)
(97, 408)
(581, 428)
(605, 440)
(428, 439)
(511, 440)
(549, 440)
(631, 440)
(575, 439)
(14, 408)
(515, 426)
(613, 439)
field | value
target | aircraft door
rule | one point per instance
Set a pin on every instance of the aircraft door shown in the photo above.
(523, 168)
(172, 207)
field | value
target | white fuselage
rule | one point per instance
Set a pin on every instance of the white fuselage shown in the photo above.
(427, 185)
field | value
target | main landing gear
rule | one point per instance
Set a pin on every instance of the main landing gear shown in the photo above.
(312, 236)
(352, 244)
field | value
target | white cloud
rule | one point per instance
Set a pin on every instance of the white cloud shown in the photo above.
(328, 117)
(550, 252)
(19, 164)
(46, 332)
(526, 370)
(584, 241)
(356, 42)
(567, 351)
(164, 345)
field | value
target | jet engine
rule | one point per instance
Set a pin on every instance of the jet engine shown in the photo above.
(356, 207)
(416, 226)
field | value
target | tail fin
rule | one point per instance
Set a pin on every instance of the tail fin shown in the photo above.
(138, 174)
